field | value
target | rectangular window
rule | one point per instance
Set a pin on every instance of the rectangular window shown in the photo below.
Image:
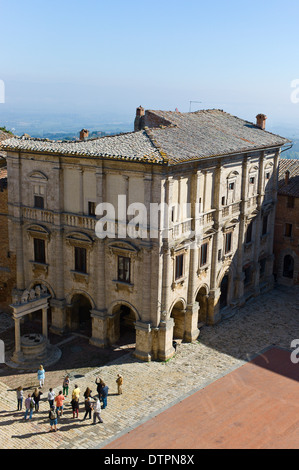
(231, 186)
(267, 176)
(291, 202)
(124, 268)
(262, 266)
(80, 259)
(249, 233)
(203, 254)
(179, 266)
(288, 230)
(228, 242)
(247, 275)
(39, 202)
(223, 200)
(39, 250)
(91, 208)
(265, 224)
(251, 180)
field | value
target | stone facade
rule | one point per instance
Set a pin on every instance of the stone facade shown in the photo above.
(7, 258)
(286, 239)
(162, 287)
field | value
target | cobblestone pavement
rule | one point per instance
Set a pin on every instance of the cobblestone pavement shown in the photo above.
(271, 319)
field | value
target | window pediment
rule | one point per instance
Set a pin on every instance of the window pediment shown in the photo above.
(38, 176)
(79, 238)
(38, 231)
(123, 248)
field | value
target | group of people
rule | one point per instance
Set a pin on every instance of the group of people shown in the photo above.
(91, 403)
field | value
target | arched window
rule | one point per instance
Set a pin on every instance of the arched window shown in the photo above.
(288, 267)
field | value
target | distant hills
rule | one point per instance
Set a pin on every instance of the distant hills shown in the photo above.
(293, 153)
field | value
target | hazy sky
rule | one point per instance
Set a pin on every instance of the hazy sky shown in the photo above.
(103, 57)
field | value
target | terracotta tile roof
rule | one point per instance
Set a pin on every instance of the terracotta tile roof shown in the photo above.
(207, 133)
(292, 188)
(184, 137)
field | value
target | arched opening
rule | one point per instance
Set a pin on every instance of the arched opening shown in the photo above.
(223, 292)
(178, 315)
(288, 267)
(124, 319)
(202, 299)
(80, 319)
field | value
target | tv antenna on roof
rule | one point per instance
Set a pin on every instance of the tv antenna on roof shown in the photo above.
(191, 103)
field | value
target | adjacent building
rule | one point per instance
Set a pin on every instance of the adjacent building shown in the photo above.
(212, 248)
(286, 239)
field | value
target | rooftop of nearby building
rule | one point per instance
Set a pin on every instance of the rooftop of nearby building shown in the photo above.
(168, 137)
(288, 178)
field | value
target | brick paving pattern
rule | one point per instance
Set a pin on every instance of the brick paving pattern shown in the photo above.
(260, 412)
(149, 388)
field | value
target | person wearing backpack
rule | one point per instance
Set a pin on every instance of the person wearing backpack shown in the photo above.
(53, 419)
(29, 405)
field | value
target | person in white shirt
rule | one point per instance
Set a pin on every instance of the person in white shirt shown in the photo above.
(51, 397)
(97, 412)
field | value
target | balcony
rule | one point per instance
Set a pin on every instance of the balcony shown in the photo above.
(50, 217)
(38, 215)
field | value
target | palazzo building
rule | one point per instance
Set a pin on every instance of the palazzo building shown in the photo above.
(202, 264)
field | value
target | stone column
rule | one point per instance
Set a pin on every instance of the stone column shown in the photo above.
(191, 317)
(239, 282)
(165, 338)
(17, 355)
(58, 313)
(143, 349)
(99, 328)
(45, 321)
(99, 314)
(81, 192)
(213, 308)
(258, 222)
(58, 316)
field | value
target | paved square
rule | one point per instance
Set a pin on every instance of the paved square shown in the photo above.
(253, 407)
(151, 388)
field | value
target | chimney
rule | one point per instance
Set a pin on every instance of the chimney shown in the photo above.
(84, 133)
(287, 177)
(139, 119)
(261, 121)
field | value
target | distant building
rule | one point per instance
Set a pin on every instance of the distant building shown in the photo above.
(161, 287)
(286, 239)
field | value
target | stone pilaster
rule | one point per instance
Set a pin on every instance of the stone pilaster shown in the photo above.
(165, 338)
(99, 328)
(143, 350)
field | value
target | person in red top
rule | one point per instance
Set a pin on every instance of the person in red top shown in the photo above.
(59, 403)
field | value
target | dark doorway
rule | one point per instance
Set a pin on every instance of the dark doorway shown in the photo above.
(224, 292)
(125, 334)
(80, 314)
(288, 267)
(202, 299)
